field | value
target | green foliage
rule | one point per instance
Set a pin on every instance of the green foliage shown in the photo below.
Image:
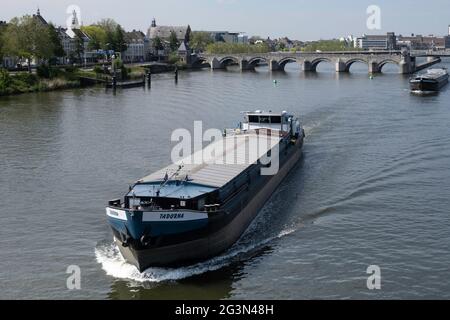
(43, 71)
(109, 25)
(27, 78)
(119, 40)
(326, 45)
(5, 80)
(173, 41)
(98, 69)
(106, 35)
(2, 30)
(19, 83)
(222, 47)
(48, 72)
(173, 58)
(117, 64)
(157, 43)
(200, 40)
(97, 37)
(28, 38)
(79, 46)
(58, 50)
(125, 72)
(70, 69)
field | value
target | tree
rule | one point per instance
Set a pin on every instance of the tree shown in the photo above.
(173, 41)
(157, 44)
(200, 40)
(109, 27)
(326, 45)
(28, 38)
(58, 50)
(280, 46)
(106, 34)
(119, 39)
(79, 45)
(2, 29)
(97, 36)
(187, 38)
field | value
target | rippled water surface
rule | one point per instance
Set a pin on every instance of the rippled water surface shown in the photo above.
(373, 188)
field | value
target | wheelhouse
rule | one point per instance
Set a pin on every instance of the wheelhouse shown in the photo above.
(283, 122)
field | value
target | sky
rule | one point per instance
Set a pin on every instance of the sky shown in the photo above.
(296, 19)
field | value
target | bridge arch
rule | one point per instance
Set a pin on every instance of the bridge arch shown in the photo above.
(254, 61)
(350, 62)
(283, 62)
(385, 62)
(227, 60)
(315, 62)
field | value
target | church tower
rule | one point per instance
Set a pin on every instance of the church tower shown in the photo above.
(75, 22)
(153, 23)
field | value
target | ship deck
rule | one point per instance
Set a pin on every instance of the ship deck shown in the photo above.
(221, 161)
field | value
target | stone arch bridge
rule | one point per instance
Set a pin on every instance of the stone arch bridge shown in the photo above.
(310, 60)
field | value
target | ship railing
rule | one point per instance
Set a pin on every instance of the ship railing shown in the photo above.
(232, 132)
(258, 131)
(114, 203)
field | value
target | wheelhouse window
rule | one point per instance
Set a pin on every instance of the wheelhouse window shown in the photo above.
(254, 119)
(264, 119)
(275, 119)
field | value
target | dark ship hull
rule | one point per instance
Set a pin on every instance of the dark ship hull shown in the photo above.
(222, 231)
(431, 82)
(203, 209)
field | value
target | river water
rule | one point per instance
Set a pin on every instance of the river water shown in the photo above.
(373, 188)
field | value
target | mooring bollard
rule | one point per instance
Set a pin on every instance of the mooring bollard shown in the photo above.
(114, 82)
(176, 74)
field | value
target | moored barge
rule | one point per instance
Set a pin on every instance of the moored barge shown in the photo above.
(431, 81)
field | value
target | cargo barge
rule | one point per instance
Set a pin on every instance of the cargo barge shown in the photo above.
(189, 211)
(431, 81)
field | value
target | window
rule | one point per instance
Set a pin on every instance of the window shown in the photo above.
(275, 119)
(264, 119)
(253, 119)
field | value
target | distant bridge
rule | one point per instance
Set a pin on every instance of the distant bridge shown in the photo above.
(309, 61)
(430, 53)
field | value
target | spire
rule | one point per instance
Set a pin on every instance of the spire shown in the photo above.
(38, 13)
(75, 23)
(153, 23)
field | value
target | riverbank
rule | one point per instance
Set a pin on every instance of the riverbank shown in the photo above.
(24, 82)
(15, 83)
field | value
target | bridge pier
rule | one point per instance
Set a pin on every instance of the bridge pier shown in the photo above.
(244, 65)
(374, 67)
(340, 66)
(274, 65)
(404, 68)
(307, 66)
(215, 64)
